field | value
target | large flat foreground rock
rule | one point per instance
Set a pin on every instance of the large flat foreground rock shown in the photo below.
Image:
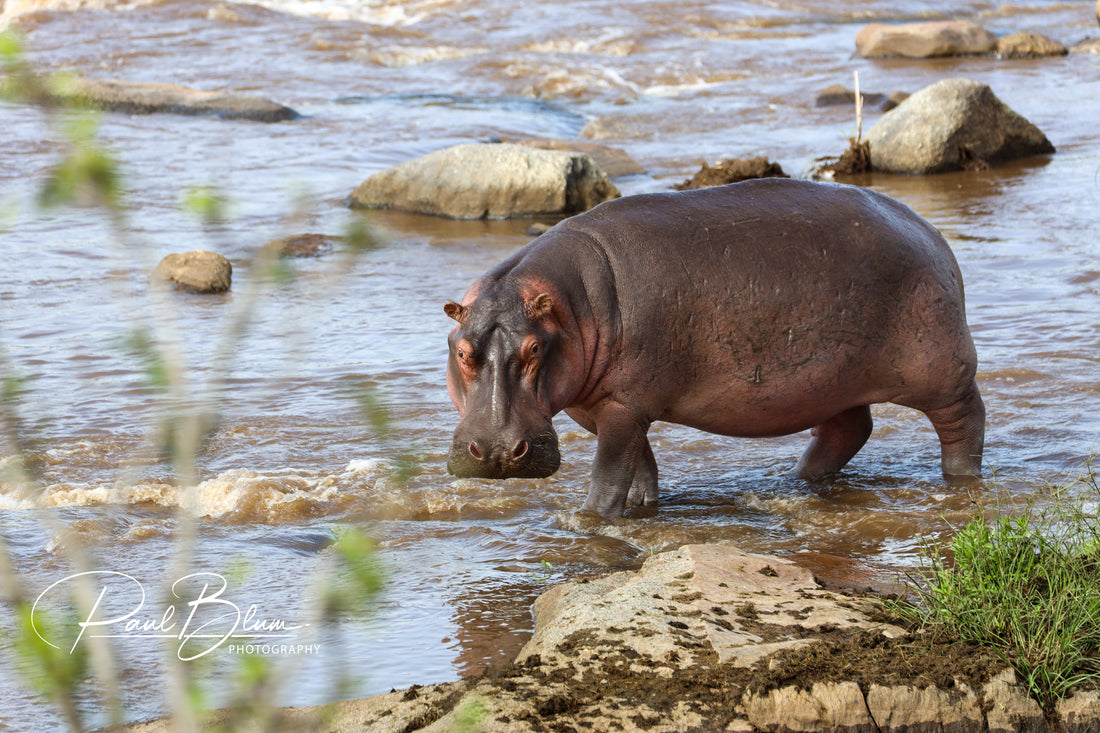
(489, 181)
(711, 638)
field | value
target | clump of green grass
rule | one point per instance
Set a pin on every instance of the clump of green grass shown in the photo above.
(1026, 586)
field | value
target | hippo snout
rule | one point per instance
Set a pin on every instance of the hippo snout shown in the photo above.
(504, 457)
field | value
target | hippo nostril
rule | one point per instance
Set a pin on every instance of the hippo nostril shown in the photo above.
(475, 452)
(520, 450)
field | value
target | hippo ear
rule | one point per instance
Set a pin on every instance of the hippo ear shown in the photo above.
(456, 311)
(539, 306)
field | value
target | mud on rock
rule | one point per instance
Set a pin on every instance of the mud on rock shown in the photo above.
(732, 171)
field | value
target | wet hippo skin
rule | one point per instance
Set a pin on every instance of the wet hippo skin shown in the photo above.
(755, 309)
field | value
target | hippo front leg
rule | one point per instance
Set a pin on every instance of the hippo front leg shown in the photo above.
(643, 491)
(621, 449)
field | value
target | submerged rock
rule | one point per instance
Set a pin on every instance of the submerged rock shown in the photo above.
(198, 271)
(837, 95)
(1091, 45)
(303, 245)
(952, 125)
(1025, 45)
(924, 40)
(148, 98)
(489, 181)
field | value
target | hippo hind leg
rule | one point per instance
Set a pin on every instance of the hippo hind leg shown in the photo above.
(961, 430)
(643, 491)
(835, 441)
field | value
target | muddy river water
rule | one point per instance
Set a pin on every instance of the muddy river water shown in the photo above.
(291, 464)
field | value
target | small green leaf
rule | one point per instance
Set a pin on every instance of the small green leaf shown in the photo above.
(358, 577)
(359, 236)
(49, 670)
(372, 411)
(140, 344)
(86, 175)
(208, 204)
(11, 47)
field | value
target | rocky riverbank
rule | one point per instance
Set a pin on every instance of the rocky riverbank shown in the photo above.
(710, 638)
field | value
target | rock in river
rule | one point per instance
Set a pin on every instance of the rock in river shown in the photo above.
(951, 125)
(303, 245)
(148, 98)
(924, 40)
(837, 95)
(198, 271)
(488, 181)
(1026, 45)
(1091, 45)
(616, 162)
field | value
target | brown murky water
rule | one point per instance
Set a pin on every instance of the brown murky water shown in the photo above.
(674, 83)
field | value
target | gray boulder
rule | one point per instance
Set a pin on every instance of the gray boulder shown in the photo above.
(951, 125)
(148, 98)
(615, 162)
(924, 40)
(489, 181)
(198, 271)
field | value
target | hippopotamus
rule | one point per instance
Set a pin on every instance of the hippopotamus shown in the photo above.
(754, 309)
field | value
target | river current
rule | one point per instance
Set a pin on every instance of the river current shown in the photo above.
(291, 463)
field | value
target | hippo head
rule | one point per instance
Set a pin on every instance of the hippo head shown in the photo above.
(498, 373)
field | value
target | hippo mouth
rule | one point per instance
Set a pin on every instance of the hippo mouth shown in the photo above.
(537, 457)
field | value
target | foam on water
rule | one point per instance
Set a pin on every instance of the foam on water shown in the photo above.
(392, 13)
(12, 9)
(383, 13)
(397, 56)
(237, 494)
(366, 488)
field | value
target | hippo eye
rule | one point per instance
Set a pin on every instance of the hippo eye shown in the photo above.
(531, 350)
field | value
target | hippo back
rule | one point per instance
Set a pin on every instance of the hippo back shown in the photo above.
(779, 287)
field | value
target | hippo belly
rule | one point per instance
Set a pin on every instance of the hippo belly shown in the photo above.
(755, 309)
